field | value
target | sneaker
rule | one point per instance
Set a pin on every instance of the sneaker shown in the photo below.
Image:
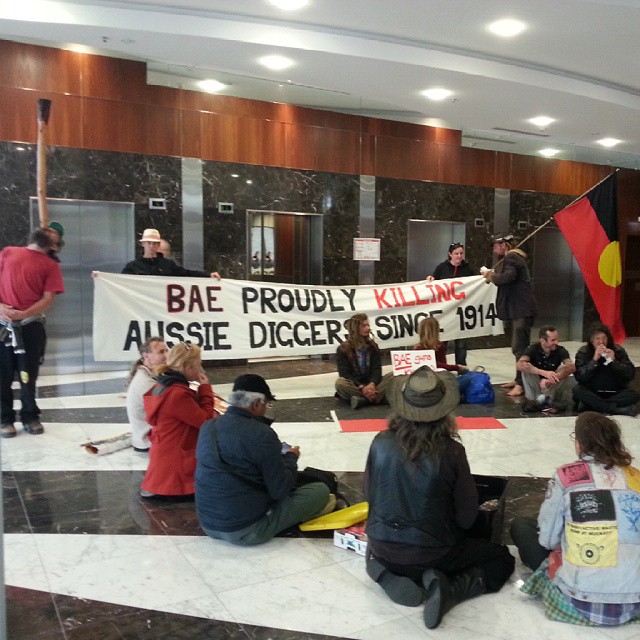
(34, 428)
(146, 494)
(7, 430)
(139, 450)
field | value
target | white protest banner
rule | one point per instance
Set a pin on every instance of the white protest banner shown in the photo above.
(404, 362)
(242, 319)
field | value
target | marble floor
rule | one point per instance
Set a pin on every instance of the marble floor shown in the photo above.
(86, 558)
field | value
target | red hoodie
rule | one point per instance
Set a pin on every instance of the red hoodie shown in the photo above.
(175, 414)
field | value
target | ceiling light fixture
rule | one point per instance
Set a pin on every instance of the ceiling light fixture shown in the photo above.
(507, 28)
(549, 153)
(275, 63)
(609, 142)
(211, 86)
(436, 93)
(289, 5)
(541, 121)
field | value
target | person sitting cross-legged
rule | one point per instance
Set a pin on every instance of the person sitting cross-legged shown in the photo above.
(603, 373)
(246, 478)
(545, 367)
(360, 380)
(422, 497)
(587, 528)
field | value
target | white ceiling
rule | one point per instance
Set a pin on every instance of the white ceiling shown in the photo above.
(577, 61)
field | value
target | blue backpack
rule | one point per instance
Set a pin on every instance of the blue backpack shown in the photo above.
(475, 387)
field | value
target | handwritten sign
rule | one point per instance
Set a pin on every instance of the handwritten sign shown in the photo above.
(405, 362)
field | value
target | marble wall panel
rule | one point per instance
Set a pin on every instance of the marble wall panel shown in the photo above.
(398, 201)
(336, 196)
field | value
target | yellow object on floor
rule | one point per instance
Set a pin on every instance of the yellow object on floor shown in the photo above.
(338, 519)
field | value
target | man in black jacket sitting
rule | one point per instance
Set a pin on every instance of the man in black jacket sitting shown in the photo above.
(246, 478)
(153, 263)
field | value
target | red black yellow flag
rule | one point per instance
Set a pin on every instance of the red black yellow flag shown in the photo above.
(590, 227)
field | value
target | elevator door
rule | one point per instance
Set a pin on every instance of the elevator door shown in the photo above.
(99, 236)
(558, 285)
(428, 244)
(284, 247)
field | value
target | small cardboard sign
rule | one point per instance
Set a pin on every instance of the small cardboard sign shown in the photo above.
(405, 362)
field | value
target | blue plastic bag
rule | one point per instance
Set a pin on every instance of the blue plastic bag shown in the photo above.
(475, 388)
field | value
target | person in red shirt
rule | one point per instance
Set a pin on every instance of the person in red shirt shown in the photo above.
(29, 282)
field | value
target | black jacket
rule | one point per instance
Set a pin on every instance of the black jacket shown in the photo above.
(348, 368)
(160, 266)
(597, 376)
(446, 270)
(424, 504)
(515, 293)
(224, 501)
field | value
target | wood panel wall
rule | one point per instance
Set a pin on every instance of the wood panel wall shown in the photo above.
(105, 103)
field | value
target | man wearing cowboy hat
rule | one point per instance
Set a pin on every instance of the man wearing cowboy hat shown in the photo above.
(153, 263)
(422, 497)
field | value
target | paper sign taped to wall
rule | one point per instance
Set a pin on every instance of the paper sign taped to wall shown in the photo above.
(405, 362)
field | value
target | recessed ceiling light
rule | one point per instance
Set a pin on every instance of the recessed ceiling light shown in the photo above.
(211, 86)
(249, 181)
(289, 5)
(276, 63)
(609, 142)
(235, 175)
(507, 28)
(541, 121)
(436, 93)
(78, 48)
(549, 153)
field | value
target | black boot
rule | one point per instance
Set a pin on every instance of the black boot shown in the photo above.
(401, 589)
(442, 593)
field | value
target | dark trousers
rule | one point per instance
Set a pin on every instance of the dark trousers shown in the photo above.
(494, 559)
(460, 350)
(606, 404)
(520, 330)
(35, 339)
(524, 533)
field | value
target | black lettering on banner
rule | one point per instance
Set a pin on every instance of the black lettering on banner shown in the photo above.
(285, 305)
(133, 336)
(470, 317)
(194, 333)
(257, 341)
(334, 328)
(219, 338)
(249, 295)
(268, 295)
(304, 333)
(350, 294)
(173, 331)
(592, 505)
(396, 326)
(175, 298)
(282, 342)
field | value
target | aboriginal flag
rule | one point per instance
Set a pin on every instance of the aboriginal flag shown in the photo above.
(590, 227)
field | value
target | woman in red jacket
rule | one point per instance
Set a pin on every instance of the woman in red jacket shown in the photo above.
(175, 413)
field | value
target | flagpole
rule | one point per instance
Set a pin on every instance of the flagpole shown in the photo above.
(588, 191)
(544, 224)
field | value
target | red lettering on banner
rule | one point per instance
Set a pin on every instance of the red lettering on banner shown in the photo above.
(380, 301)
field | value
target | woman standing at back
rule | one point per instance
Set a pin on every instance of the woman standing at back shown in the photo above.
(455, 266)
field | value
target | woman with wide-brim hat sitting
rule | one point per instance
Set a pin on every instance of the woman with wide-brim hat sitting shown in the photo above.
(422, 498)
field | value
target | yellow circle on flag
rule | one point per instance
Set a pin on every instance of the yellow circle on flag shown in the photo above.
(610, 265)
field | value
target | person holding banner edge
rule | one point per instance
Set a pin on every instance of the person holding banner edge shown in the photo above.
(360, 380)
(153, 263)
(515, 304)
(455, 266)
